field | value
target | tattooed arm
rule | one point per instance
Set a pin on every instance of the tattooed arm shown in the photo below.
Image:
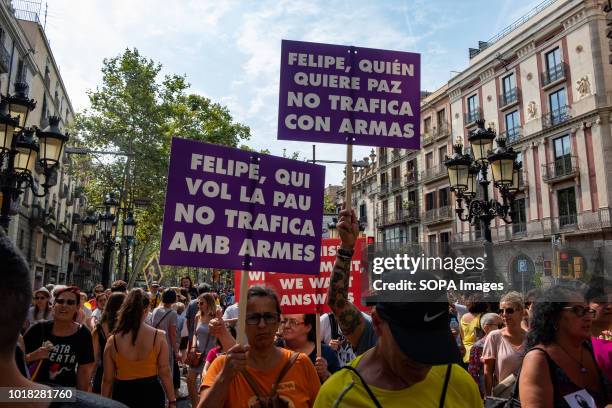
(349, 318)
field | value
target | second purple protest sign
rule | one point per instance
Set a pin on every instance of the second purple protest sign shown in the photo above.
(349, 95)
(230, 208)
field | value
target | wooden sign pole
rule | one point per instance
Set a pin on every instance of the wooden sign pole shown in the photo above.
(242, 306)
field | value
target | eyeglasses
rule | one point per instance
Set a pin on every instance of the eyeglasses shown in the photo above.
(268, 317)
(508, 310)
(291, 322)
(69, 302)
(580, 311)
(40, 298)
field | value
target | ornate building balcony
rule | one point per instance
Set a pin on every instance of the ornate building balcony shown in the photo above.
(561, 169)
(434, 173)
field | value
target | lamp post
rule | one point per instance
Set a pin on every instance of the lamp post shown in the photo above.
(106, 233)
(467, 171)
(20, 151)
(129, 229)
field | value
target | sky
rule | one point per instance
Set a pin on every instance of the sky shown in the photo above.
(229, 50)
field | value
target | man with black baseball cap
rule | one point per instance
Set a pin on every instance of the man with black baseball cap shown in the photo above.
(409, 354)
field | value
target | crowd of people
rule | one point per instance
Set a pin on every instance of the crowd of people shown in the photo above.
(120, 347)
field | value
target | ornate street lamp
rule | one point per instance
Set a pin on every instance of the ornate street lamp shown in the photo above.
(502, 162)
(129, 226)
(481, 140)
(19, 104)
(111, 203)
(458, 168)
(21, 153)
(52, 142)
(129, 231)
(466, 172)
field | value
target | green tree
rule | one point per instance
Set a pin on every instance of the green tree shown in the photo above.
(135, 110)
(329, 206)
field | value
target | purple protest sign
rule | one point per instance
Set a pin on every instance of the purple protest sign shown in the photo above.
(234, 209)
(349, 95)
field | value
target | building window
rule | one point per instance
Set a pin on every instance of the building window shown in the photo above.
(414, 234)
(429, 160)
(472, 108)
(563, 155)
(43, 247)
(513, 125)
(566, 200)
(398, 205)
(363, 214)
(395, 177)
(442, 152)
(441, 116)
(509, 94)
(553, 62)
(427, 125)
(430, 201)
(558, 107)
(519, 220)
(444, 197)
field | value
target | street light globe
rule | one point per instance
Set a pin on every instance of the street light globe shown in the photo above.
(502, 163)
(52, 142)
(27, 150)
(458, 166)
(472, 183)
(7, 127)
(481, 141)
(111, 203)
(129, 226)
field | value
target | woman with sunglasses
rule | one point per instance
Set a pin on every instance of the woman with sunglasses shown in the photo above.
(248, 374)
(488, 323)
(201, 342)
(136, 358)
(60, 352)
(40, 310)
(504, 348)
(100, 333)
(560, 361)
(299, 335)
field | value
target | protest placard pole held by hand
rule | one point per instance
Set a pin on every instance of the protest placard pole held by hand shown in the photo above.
(242, 305)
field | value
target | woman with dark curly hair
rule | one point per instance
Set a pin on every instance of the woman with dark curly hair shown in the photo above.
(560, 361)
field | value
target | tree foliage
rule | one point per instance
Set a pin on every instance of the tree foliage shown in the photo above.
(135, 110)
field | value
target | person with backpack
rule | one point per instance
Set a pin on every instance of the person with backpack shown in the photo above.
(260, 374)
(165, 318)
(407, 355)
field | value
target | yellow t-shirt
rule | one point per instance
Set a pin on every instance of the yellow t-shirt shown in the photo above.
(345, 389)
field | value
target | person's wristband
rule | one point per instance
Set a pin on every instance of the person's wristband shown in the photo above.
(345, 253)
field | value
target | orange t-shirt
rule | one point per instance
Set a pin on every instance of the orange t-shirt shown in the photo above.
(300, 385)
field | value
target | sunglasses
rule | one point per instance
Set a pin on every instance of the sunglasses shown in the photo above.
(580, 311)
(508, 310)
(291, 323)
(69, 302)
(268, 317)
(40, 298)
